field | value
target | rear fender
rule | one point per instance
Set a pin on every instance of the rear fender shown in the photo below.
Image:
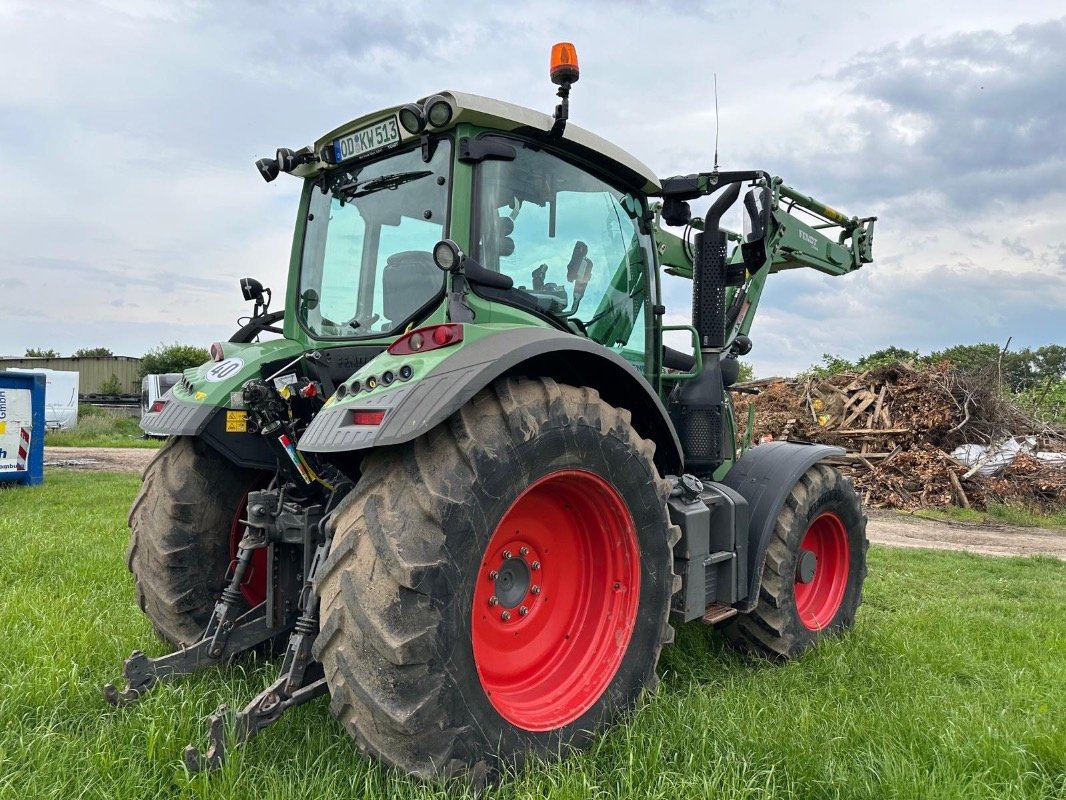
(414, 408)
(764, 476)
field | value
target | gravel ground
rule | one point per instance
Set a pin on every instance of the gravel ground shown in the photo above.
(885, 527)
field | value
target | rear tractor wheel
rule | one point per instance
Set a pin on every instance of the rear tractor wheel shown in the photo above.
(814, 571)
(500, 586)
(184, 533)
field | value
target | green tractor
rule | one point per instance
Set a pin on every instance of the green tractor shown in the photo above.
(468, 489)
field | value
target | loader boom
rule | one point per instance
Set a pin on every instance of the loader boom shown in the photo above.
(793, 243)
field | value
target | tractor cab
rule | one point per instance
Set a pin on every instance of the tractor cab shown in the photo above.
(564, 216)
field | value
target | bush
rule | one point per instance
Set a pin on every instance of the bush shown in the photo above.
(111, 386)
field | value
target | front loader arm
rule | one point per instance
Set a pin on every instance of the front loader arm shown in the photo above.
(792, 243)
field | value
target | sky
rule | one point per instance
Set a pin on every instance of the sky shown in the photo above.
(130, 206)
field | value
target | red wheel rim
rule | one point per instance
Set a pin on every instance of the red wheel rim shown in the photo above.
(818, 600)
(549, 639)
(254, 585)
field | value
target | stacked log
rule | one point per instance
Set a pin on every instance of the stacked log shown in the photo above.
(899, 426)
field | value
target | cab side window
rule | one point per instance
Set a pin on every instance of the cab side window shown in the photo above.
(570, 241)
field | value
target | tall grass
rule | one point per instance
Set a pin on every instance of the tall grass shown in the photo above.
(952, 685)
(101, 427)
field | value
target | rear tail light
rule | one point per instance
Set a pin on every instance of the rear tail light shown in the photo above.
(216, 351)
(158, 406)
(367, 417)
(432, 337)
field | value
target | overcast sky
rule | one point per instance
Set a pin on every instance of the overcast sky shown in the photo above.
(129, 204)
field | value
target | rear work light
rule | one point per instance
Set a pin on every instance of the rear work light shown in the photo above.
(367, 417)
(432, 337)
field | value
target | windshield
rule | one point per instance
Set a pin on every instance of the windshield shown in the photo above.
(367, 267)
(570, 241)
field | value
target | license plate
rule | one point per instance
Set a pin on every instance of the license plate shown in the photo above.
(365, 140)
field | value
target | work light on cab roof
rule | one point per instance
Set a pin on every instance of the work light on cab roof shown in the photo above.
(434, 113)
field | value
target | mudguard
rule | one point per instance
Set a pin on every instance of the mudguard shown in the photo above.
(414, 408)
(764, 476)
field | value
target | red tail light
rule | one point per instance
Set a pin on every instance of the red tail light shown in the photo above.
(367, 417)
(216, 351)
(432, 337)
(158, 406)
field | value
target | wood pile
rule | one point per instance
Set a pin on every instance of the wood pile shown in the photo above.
(899, 427)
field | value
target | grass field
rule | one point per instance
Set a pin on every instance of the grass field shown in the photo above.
(953, 684)
(99, 427)
(1004, 514)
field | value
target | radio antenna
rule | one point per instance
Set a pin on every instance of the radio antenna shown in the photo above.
(716, 122)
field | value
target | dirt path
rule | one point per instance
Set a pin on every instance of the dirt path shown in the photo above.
(902, 530)
(885, 527)
(108, 459)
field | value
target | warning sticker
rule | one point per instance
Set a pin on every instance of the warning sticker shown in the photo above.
(16, 422)
(236, 421)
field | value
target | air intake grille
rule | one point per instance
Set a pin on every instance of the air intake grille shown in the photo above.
(708, 291)
(701, 431)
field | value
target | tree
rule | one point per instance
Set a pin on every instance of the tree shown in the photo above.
(886, 356)
(967, 357)
(172, 358)
(36, 352)
(92, 352)
(831, 365)
(1050, 362)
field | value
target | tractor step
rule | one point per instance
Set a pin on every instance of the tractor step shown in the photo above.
(717, 613)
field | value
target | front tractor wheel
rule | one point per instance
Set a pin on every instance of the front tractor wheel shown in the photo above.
(500, 586)
(814, 571)
(185, 524)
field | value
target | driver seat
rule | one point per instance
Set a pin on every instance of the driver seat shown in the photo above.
(410, 280)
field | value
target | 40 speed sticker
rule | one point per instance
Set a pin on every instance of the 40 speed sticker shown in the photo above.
(224, 370)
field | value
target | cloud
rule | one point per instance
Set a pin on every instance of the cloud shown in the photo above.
(971, 120)
(130, 205)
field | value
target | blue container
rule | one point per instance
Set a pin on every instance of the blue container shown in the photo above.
(22, 428)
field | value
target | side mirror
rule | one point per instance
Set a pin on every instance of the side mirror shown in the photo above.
(757, 218)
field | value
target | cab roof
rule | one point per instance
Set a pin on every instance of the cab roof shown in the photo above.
(507, 117)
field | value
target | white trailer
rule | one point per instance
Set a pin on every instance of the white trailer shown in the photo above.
(60, 397)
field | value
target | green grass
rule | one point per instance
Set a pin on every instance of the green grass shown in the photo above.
(998, 513)
(100, 427)
(952, 684)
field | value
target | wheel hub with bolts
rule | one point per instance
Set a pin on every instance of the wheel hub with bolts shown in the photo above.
(513, 582)
(514, 579)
